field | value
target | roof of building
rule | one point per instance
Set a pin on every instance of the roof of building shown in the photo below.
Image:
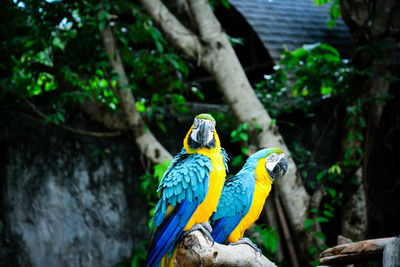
(293, 23)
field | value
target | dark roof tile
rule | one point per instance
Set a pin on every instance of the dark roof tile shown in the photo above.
(292, 23)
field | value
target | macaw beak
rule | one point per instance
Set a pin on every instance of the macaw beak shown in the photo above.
(283, 164)
(279, 169)
(203, 135)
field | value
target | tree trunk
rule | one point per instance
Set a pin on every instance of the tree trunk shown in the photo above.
(374, 42)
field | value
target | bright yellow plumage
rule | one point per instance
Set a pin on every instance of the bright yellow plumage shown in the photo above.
(261, 192)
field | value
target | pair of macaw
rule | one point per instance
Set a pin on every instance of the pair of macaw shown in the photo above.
(192, 192)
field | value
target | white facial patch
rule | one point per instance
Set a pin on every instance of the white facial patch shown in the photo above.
(272, 160)
(196, 128)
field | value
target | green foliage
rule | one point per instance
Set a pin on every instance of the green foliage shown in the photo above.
(43, 53)
(334, 10)
(269, 238)
(319, 71)
(239, 135)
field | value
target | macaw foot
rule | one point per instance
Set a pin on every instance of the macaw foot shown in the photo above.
(246, 241)
(204, 227)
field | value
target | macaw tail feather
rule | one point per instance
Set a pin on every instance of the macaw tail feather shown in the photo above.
(224, 227)
(168, 233)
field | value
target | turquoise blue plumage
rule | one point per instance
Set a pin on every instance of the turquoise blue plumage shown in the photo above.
(185, 179)
(244, 194)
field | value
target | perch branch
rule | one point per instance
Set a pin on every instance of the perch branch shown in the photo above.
(363, 251)
(197, 250)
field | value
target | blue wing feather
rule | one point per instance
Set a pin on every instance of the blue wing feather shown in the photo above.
(184, 186)
(224, 227)
(169, 232)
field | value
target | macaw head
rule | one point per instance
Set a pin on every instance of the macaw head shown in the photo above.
(202, 132)
(275, 162)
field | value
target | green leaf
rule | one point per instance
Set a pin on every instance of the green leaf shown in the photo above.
(243, 136)
(321, 175)
(326, 90)
(332, 192)
(331, 49)
(299, 52)
(308, 223)
(362, 122)
(58, 43)
(320, 235)
(60, 117)
(103, 15)
(328, 213)
(312, 250)
(159, 169)
(322, 219)
(141, 106)
(237, 161)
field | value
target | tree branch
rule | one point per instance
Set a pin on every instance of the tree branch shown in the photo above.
(197, 250)
(37, 111)
(109, 119)
(145, 140)
(175, 31)
(209, 26)
(363, 251)
(286, 232)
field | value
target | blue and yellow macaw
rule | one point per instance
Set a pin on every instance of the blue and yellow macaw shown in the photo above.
(243, 196)
(189, 190)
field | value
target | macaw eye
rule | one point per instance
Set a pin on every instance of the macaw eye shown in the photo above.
(273, 157)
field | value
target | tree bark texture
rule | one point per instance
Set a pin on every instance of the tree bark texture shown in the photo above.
(145, 140)
(196, 250)
(354, 213)
(374, 29)
(212, 49)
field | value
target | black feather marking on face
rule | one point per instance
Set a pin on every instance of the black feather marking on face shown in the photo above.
(193, 144)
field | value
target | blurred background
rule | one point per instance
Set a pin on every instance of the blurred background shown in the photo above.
(80, 167)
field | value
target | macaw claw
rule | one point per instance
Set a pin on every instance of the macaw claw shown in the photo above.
(204, 227)
(247, 241)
